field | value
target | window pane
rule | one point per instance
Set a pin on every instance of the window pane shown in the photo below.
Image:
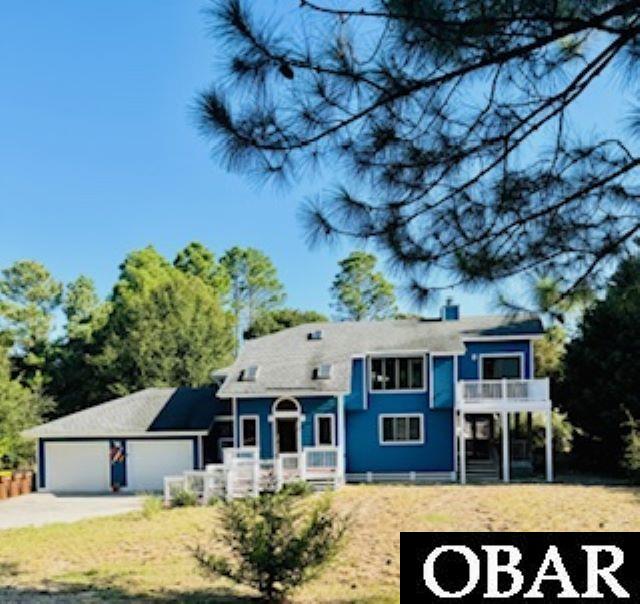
(390, 374)
(376, 374)
(497, 368)
(286, 405)
(325, 436)
(416, 373)
(387, 428)
(249, 432)
(402, 428)
(414, 428)
(403, 373)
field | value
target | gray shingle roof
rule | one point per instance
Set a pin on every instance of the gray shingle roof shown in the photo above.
(150, 411)
(287, 359)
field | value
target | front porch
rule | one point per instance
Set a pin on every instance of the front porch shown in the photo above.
(504, 399)
(244, 474)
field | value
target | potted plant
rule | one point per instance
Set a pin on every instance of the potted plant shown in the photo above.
(14, 485)
(5, 479)
(27, 480)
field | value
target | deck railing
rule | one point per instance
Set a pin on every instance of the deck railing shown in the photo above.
(243, 474)
(483, 391)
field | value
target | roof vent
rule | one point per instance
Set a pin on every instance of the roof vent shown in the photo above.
(323, 372)
(249, 374)
(315, 335)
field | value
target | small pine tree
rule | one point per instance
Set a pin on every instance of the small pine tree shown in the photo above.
(275, 541)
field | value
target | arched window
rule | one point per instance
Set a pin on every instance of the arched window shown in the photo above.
(286, 405)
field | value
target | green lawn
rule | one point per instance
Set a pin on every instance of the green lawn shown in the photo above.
(130, 557)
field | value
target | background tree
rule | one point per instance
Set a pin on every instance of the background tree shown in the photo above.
(277, 320)
(166, 328)
(360, 292)
(197, 260)
(543, 296)
(28, 297)
(73, 378)
(254, 285)
(451, 123)
(602, 382)
(20, 408)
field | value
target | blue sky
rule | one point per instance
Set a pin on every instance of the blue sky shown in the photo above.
(99, 154)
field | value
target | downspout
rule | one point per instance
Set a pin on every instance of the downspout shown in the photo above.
(234, 413)
(342, 443)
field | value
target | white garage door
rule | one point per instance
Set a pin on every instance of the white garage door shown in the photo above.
(81, 466)
(149, 461)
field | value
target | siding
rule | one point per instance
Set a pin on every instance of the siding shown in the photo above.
(443, 382)
(365, 454)
(356, 400)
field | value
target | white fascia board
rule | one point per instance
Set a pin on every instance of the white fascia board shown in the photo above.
(287, 394)
(519, 337)
(84, 435)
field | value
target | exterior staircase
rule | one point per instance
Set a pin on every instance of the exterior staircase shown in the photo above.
(481, 471)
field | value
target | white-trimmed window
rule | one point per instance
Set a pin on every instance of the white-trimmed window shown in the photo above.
(249, 431)
(325, 429)
(401, 429)
(397, 373)
(495, 366)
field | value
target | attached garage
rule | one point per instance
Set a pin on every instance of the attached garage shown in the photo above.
(128, 444)
(77, 466)
(149, 461)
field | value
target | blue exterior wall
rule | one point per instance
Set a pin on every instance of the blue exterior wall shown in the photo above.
(365, 454)
(356, 400)
(468, 368)
(443, 382)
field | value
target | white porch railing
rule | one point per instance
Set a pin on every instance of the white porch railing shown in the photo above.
(243, 474)
(506, 391)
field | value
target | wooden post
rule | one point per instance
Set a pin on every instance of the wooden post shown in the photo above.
(548, 441)
(342, 443)
(506, 465)
(463, 449)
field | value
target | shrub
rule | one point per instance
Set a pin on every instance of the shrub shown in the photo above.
(275, 541)
(183, 499)
(562, 429)
(631, 459)
(151, 505)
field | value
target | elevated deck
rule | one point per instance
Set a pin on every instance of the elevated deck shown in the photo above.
(495, 396)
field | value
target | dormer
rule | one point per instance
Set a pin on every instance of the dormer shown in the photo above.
(322, 372)
(249, 374)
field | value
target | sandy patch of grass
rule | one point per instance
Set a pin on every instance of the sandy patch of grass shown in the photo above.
(133, 557)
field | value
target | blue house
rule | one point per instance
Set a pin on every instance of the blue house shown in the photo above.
(407, 400)
(443, 399)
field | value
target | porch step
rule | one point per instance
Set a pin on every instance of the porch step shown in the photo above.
(483, 470)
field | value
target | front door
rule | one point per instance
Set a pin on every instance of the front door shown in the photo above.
(287, 435)
(479, 434)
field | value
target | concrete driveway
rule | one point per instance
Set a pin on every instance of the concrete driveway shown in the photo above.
(37, 509)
